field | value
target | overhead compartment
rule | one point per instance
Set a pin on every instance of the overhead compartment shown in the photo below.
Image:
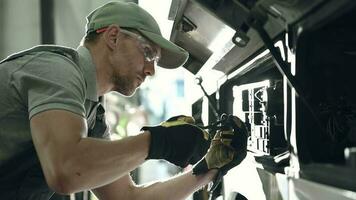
(217, 29)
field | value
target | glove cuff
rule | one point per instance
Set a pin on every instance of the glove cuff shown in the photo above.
(200, 168)
(157, 142)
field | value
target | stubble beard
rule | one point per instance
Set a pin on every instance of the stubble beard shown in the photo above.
(123, 85)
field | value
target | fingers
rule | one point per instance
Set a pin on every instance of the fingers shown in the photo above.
(228, 147)
(182, 118)
(238, 125)
(174, 118)
(202, 147)
(237, 121)
(178, 120)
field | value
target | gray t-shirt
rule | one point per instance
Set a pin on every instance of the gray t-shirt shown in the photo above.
(33, 81)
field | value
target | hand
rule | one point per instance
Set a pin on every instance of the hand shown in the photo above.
(178, 141)
(227, 149)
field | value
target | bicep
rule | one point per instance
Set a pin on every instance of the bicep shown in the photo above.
(55, 134)
(119, 189)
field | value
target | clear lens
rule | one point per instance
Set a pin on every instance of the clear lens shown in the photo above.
(149, 53)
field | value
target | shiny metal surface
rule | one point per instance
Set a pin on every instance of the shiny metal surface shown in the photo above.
(196, 29)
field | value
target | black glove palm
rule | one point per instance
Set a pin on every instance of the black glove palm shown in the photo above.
(178, 141)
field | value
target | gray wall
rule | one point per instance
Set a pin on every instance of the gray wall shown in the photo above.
(19, 25)
(70, 20)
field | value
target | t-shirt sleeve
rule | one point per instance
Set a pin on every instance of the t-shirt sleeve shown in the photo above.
(50, 81)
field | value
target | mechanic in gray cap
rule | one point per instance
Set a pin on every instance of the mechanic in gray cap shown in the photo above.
(53, 133)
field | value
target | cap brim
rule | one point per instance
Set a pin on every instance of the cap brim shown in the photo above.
(172, 56)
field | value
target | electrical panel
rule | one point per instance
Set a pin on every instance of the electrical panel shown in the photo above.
(260, 106)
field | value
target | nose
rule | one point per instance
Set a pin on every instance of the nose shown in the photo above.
(149, 68)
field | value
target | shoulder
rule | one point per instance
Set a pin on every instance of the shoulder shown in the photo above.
(50, 65)
(48, 70)
(55, 61)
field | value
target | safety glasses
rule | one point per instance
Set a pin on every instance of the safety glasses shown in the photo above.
(151, 54)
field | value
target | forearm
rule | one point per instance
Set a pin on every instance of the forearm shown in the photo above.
(176, 188)
(96, 162)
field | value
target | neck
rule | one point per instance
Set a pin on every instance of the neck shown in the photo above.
(103, 74)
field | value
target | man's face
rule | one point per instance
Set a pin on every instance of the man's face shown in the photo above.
(132, 62)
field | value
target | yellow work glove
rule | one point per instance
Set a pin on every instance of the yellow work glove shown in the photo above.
(227, 149)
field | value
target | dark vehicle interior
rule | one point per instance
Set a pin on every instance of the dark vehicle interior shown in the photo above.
(297, 99)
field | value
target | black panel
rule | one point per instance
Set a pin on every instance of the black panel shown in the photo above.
(326, 69)
(47, 22)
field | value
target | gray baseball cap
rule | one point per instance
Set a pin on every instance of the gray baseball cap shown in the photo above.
(130, 15)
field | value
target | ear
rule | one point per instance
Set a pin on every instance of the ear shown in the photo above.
(111, 36)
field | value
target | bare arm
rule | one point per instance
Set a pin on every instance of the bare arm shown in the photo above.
(176, 188)
(71, 162)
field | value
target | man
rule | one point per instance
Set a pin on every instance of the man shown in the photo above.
(53, 136)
